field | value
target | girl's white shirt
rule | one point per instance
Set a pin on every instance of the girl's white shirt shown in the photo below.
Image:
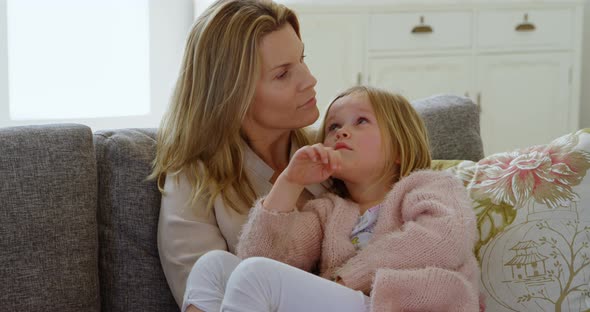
(363, 230)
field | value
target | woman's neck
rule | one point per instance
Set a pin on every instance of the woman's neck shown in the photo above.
(367, 195)
(272, 148)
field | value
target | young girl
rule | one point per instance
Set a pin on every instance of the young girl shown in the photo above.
(396, 237)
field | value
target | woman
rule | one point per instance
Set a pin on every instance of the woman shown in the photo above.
(241, 99)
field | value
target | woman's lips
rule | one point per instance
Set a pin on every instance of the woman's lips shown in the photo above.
(310, 103)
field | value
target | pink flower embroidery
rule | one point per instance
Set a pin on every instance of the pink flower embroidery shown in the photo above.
(543, 173)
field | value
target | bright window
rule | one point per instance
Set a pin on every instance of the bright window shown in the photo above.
(78, 58)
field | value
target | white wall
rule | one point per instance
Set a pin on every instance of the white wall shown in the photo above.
(585, 101)
(3, 63)
(170, 24)
(200, 5)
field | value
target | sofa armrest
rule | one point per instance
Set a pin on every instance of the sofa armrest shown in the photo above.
(48, 229)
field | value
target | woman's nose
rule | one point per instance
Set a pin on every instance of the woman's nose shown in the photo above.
(309, 80)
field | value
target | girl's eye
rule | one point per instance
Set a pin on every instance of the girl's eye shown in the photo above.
(333, 127)
(362, 120)
(303, 58)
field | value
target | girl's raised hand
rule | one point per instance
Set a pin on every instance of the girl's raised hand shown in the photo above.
(312, 164)
(309, 165)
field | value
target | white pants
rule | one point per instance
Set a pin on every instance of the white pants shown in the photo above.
(220, 281)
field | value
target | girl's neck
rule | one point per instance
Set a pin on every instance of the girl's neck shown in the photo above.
(367, 195)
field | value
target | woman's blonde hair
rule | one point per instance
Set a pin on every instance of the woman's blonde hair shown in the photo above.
(403, 134)
(200, 133)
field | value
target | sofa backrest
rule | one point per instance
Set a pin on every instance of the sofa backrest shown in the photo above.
(77, 214)
(48, 229)
(131, 278)
(128, 206)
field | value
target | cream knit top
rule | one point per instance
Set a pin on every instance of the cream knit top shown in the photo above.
(184, 235)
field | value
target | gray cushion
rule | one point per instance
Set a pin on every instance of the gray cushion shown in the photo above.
(48, 228)
(453, 126)
(131, 276)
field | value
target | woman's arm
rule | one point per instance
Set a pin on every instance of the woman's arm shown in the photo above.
(183, 234)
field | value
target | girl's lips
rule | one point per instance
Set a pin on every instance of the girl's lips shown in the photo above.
(341, 145)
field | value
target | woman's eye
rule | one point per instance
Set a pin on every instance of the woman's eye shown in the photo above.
(333, 127)
(303, 58)
(282, 75)
(362, 120)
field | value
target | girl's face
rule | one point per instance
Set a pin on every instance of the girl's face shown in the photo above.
(285, 96)
(352, 129)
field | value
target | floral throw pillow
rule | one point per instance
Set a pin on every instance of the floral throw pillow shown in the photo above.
(533, 210)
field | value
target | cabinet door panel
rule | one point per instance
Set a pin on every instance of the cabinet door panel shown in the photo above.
(524, 99)
(419, 77)
(335, 48)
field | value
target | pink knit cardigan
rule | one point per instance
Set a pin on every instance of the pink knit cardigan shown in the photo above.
(420, 257)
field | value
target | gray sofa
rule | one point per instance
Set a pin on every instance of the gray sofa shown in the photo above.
(78, 219)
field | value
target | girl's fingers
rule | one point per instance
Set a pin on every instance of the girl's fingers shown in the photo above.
(326, 155)
(322, 152)
(311, 153)
(334, 160)
(330, 158)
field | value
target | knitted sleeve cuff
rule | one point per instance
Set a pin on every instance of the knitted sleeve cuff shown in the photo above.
(356, 275)
(266, 217)
(429, 289)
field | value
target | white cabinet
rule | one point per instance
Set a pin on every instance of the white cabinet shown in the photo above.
(419, 77)
(524, 99)
(335, 52)
(518, 59)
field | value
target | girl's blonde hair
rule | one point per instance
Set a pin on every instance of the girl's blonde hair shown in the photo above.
(200, 133)
(403, 134)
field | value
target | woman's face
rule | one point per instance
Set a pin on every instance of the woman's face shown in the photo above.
(285, 96)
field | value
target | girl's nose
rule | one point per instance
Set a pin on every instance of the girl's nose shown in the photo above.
(342, 134)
